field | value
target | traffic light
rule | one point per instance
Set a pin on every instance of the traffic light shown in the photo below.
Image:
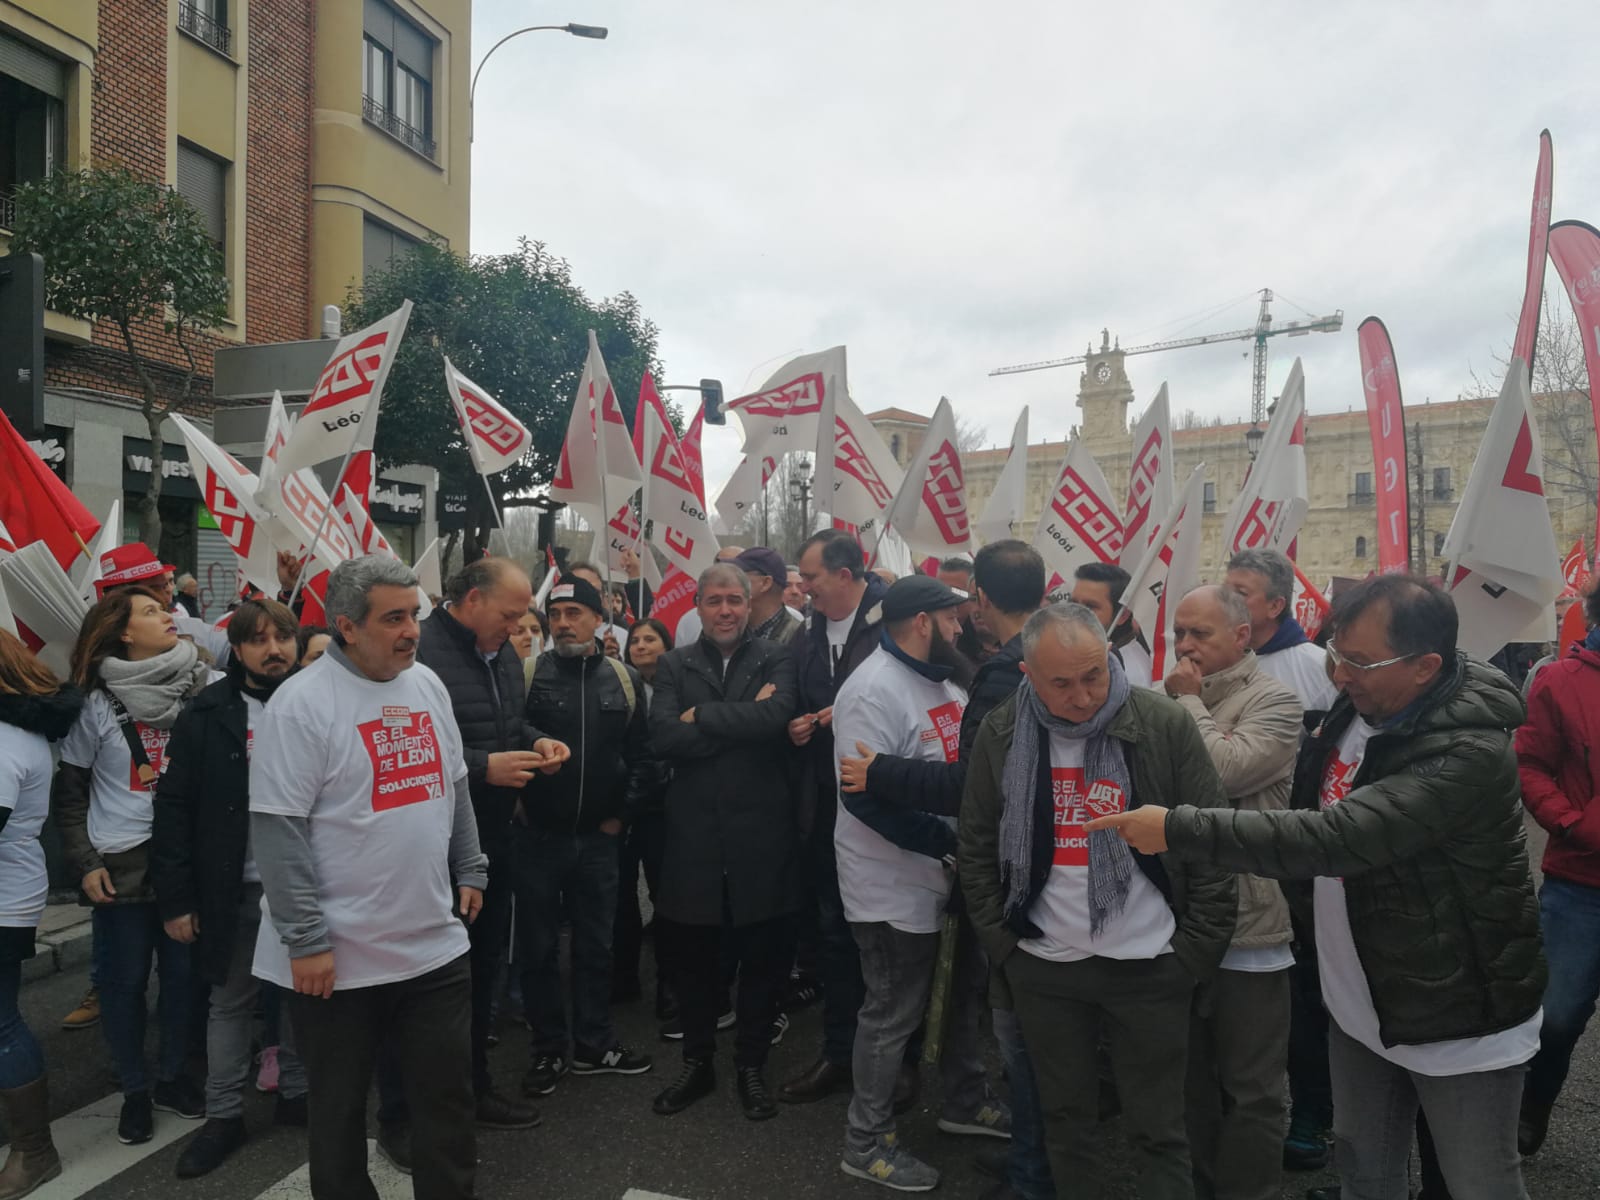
(22, 342)
(711, 401)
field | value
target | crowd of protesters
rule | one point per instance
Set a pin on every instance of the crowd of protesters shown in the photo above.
(1276, 902)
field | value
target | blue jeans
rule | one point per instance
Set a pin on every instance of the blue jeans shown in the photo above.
(1570, 915)
(21, 1060)
(127, 937)
(1028, 1167)
(572, 875)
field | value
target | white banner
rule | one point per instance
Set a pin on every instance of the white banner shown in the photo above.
(495, 439)
(930, 510)
(1150, 479)
(1170, 567)
(1002, 515)
(1079, 523)
(1274, 501)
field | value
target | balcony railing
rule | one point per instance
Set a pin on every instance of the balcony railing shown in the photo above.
(1442, 493)
(409, 135)
(1362, 499)
(205, 27)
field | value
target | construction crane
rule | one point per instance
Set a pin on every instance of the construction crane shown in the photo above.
(1258, 333)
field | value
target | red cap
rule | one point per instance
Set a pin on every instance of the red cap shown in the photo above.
(124, 565)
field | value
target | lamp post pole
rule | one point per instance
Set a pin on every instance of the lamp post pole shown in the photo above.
(597, 32)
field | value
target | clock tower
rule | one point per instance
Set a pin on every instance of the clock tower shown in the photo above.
(1104, 392)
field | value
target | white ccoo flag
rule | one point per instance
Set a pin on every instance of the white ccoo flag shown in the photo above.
(228, 490)
(1079, 524)
(363, 530)
(679, 524)
(495, 439)
(787, 412)
(598, 468)
(1169, 568)
(1150, 480)
(1274, 501)
(108, 539)
(1003, 514)
(864, 476)
(1504, 565)
(743, 491)
(346, 394)
(930, 510)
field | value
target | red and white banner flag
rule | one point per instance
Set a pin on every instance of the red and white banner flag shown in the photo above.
(1002, 515)
(1380, 381)
(1150, 480)
(35, 505)
(1504, 567)
(1274, 501)
(8, 544)
(598, 468)
(1170, 568)
(358, 523)
(1575, 566)
(694, 463)
(674, 598)
(786, 412)
(1538, 240)
(744, 490)
(495, 439)
(1080, 523)
(1311, 607)
(228, 490)
(671, 503)
(616, 538)
(1575, 250)
(346, 395)
(865, 477)
(930, 510)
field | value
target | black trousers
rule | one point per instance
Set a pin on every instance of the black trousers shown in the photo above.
(642, 847)
(488, 936)
(699, 954)
(426, 1022)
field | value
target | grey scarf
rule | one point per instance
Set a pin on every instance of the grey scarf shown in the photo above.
(1110, 861)
(154, 690)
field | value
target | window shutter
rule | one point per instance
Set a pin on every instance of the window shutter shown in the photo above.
(32, 67)
(378, 20)
(413, 49)
(202, 181)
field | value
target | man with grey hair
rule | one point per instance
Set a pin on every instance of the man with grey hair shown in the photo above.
(1105, 938)
(730, 855)
(1239, 1040)
(362, 827)
(1264, 580)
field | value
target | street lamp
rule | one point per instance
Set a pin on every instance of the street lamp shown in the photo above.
(1253, 437)
(800, 492)
(597, 32)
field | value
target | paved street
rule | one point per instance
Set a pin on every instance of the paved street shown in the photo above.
(599, 1138)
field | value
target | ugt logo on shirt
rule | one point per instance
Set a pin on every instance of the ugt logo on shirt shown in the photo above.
(404, 750)
(1074, 807)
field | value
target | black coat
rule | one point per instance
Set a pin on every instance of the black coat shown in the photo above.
(581, 702)
(486, 698)
(730, 805)
(202, 822)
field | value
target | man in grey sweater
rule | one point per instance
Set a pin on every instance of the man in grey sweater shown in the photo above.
(363, 833)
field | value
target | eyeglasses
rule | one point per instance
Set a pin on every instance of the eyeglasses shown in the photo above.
(1338, 660)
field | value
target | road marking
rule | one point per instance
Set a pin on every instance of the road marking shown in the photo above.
(390, 1183)
(90, 1152)
(636, 1194)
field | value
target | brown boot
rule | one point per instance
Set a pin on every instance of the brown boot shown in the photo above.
(33, 1159)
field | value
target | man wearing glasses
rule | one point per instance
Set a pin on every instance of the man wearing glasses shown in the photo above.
(1405, 812)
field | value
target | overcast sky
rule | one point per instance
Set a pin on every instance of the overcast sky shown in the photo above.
(950, 188)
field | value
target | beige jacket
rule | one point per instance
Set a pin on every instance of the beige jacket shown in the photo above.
(1251, 725)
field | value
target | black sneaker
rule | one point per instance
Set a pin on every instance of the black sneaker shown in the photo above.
(394, 1143)
(181, 1098)
(780, 1026)
(727, 1020)
(291, 1112)
(495, 1111)
(619, 1060)
(672, 1029)
(137, 1124)
(218, 1138)
(803, 991)
(545, 1073)
(753, 1095)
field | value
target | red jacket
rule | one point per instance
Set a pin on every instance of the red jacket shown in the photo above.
(1558, 759)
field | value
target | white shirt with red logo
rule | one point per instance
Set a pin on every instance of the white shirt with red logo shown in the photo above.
(1344, 983)
(373, 765)
(121, 805)
(892, 709)
(1145, 926)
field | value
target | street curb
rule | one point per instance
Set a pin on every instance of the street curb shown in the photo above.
(60, 951)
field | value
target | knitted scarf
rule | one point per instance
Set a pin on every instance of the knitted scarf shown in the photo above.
(154, 690)
(1110, 860)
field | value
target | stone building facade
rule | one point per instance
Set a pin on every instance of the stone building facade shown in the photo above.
(1339, 537)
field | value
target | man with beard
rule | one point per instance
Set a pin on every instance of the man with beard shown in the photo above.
(205, 877)
(894, 880)
(731, 856)
(956, 572)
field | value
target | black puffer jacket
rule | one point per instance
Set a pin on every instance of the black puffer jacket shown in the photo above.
(1430, 845)
(581, 701)
(486, 698)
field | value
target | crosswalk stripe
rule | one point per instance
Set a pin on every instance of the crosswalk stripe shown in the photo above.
(90, 1152)
(390, 1183)
(636, 1194)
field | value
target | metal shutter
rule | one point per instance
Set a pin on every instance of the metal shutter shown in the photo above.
(217, 570)
(202, 181)
(413, 49)
(34, 68)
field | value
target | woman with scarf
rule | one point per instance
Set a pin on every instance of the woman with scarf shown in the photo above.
(35, 709)
(137, 675)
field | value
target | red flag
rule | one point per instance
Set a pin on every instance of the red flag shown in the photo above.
(674, 598)
(1575, 566)
(35, 506)
(1386, 417)
(358, 477)
(1538, 240)
(1575, 249)
(313, 594)
(693, 463)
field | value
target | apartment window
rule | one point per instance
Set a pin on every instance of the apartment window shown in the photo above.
(1441, 483)
(381, 246)
(1211, 498)
(1438, 544)
(206, 21)
(1363, 490)
(203, 182)
(1361, 547)
(33, 139)
(397, 77)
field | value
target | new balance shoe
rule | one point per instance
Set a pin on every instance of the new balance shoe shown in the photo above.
(545, 1073)
(780, 1026)
(992, 1119)
(181, 1098)
(727, 1020)
(672, 1028)
(619, 1060)
(890, 1165)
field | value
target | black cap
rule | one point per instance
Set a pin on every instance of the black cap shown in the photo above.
(765, 561)
(574, 589)
(913, 594)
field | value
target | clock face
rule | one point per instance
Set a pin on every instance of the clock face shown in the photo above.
(1103, 372)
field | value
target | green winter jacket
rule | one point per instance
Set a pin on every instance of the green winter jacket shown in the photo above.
(1430, 845)
(1169, 765)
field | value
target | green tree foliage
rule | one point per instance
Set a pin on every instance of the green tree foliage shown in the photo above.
(129, 251)
(517, 325)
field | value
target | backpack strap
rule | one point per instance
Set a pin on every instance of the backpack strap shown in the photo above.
(626, 680)
(130, 734)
